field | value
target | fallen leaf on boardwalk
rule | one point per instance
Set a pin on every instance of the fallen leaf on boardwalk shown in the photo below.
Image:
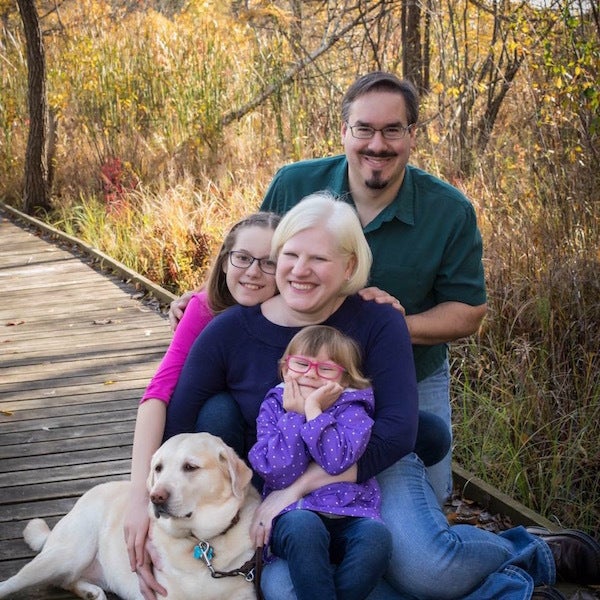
(109, 382)
(8, 413)
(464, 511)
(102, 321)
(13, 323)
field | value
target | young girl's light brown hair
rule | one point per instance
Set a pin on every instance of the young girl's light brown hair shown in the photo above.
(341, 349)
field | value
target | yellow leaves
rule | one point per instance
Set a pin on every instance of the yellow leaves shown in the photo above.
(437, 88)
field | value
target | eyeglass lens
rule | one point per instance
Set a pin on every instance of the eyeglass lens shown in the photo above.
(242, 260)
(365, 132)
(301, 364)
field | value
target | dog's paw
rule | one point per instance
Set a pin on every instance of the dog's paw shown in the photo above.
(87, 591)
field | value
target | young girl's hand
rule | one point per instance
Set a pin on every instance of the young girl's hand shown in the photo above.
(322, 398)
(293, 400)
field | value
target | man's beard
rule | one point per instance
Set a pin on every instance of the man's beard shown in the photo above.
(376, 182)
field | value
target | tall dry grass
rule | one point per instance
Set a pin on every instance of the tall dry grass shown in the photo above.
(146, 171)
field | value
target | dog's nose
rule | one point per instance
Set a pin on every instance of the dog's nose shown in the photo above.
(159, 497)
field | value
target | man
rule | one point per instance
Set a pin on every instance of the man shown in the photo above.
(423, 232)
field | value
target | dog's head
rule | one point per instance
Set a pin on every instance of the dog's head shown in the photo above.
(197, 483)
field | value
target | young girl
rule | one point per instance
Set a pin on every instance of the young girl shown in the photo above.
(243, 274)
(333, 538)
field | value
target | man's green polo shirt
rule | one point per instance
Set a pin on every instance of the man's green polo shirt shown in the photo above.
(426, 245)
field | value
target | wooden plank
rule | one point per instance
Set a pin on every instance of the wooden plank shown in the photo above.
(77, 348)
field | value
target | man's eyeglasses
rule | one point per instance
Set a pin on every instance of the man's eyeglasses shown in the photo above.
(365, 132)
(243, 260)
(301, 364)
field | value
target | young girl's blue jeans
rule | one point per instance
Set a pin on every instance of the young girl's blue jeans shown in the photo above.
(331, 557)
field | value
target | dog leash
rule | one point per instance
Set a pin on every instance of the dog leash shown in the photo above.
(251, 570)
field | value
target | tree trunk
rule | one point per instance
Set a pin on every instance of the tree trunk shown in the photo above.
(36, 192)
(412, 59)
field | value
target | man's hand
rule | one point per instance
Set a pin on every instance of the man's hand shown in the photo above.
(177, 307)
(381, 297)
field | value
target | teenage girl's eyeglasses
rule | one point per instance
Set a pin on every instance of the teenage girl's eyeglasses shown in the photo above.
(243, 260)
(301, 364)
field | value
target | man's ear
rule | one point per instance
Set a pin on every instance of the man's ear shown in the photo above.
(343, 131)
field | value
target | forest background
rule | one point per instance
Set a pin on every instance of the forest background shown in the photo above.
(167, 120)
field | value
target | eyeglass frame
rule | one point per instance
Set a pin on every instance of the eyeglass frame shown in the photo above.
(401, 128)
(316, 364)
(261, 261)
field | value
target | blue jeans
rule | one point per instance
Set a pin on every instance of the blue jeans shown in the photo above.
(432, 560)
(221, 416)
(434, 397)
(331, 558)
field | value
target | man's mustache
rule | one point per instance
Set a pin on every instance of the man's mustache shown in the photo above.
(378, 154)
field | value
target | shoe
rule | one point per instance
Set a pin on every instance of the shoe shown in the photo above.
(576, 554)
(545, 592)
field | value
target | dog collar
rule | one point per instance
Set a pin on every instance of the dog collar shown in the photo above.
(204, 551)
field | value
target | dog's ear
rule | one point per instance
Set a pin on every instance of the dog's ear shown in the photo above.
(239, 472)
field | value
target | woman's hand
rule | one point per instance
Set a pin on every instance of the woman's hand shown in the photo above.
(314, 477)
(381, 297)
(271, 506)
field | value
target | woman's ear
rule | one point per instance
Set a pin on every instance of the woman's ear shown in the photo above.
(350, 267)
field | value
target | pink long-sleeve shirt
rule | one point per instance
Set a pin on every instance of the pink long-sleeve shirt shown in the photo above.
(196, 317)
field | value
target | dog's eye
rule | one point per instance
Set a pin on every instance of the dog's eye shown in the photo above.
(158, 468)
(188, 467)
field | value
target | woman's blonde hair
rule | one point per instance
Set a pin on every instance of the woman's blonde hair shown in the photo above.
(217, 292)
(322, 209)
(342, 350)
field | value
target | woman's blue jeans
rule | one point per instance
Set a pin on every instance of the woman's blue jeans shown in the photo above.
(432, 560)
(331, 558)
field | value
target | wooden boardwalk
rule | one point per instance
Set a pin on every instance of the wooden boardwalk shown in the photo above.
(77, 348)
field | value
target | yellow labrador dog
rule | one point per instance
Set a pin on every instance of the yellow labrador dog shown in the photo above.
(201, 507)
